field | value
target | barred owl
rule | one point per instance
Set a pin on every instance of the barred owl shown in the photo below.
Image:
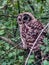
(30, 28)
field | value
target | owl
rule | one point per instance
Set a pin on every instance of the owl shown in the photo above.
(30, 28)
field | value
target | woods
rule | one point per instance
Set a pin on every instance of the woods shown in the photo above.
(11, 50)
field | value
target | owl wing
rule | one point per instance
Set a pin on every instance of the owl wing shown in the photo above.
(37, 25)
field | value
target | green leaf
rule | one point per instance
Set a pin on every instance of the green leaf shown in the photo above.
(31, 56)
(2, 52)
(10, 55)
(45, 62)
(46, 50)
(4, 63)
(30, 61)
(14, 53)
(21, 57)
(42, 47)
(2, 32)
(4, 2)
(38, 1)
(7, 46)
(45, 41)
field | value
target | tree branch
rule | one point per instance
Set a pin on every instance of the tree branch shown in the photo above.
(35, 43)
(10, 42)
(18, 46)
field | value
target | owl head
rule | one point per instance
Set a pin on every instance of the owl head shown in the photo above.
(25, 17)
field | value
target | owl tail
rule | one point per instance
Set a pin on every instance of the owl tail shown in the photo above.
(38, 57)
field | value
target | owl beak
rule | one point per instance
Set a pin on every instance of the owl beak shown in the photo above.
(24, 21)
(20, 22)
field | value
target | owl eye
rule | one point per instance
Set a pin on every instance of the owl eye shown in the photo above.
(26, 17)
(19, 19)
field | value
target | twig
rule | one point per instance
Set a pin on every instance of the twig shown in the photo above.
(10, 51)
(18, 46)
(35, 43)
(10, 42)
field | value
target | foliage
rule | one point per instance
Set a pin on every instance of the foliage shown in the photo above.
(9, 29)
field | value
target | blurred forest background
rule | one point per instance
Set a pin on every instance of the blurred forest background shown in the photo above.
(9, 9)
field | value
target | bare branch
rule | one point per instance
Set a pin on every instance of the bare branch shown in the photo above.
(10, 42)
(35, 43)
(18, 46)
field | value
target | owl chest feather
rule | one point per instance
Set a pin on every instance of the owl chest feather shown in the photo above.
(29, 33)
